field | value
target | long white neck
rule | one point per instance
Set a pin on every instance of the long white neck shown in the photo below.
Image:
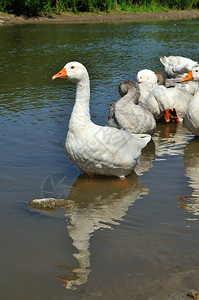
(81, 111)
(195, 99)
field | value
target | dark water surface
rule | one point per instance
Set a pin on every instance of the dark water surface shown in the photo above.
(137, 240)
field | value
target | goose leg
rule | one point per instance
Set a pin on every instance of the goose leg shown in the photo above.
(166, 115)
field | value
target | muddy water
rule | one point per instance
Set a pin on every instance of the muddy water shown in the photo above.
(133, 240)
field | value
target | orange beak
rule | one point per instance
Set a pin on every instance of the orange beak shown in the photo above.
(61, 74)
(188, 77)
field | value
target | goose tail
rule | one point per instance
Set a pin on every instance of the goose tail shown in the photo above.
(144, 139)
(164, 60)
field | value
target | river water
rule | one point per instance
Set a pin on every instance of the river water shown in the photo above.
(120, 241)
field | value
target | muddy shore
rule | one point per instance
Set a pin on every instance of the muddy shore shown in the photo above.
(70, 18)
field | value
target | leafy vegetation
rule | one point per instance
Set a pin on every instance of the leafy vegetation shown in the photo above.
(35, 7)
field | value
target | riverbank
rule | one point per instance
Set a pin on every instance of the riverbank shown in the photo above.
(70, 18)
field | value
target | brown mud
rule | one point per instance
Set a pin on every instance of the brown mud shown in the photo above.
(70, 18)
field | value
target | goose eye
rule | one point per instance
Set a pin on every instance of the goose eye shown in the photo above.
(196, 70)
(72, 67)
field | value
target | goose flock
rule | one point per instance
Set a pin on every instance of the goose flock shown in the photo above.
(114, 149)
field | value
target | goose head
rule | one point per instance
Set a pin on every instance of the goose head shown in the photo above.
(160, 78)
(73, 71)
(146, 75)
(192, 75)
(129, 87)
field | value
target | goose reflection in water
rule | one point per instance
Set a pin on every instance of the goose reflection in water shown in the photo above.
(170, 139)
(100, 203)
(191, 161)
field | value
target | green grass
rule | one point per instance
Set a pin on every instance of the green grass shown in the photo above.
(143, 8)
(34, 7)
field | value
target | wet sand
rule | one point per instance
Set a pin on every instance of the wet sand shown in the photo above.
(70, 18)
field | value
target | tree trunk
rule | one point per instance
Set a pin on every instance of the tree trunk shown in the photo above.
(57, 6)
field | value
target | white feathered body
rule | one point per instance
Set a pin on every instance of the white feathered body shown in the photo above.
(138, 118)
(191, 118)
(162, 98)
(104, 150)
(175, 65)
(128, 113)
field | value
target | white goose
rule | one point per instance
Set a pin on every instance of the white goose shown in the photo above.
(191, 118)
(175, 65)
(97, 149)
(147, 80)
(161, 100)
(128, 113)
(170, 102)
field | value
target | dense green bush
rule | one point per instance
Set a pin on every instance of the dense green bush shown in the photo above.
(18, 7)
(34, 7)
(87, 5)
(181, 4)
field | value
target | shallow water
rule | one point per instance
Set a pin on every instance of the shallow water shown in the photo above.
(137, 240)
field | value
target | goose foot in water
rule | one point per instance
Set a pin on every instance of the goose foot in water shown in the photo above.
(170, 115)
